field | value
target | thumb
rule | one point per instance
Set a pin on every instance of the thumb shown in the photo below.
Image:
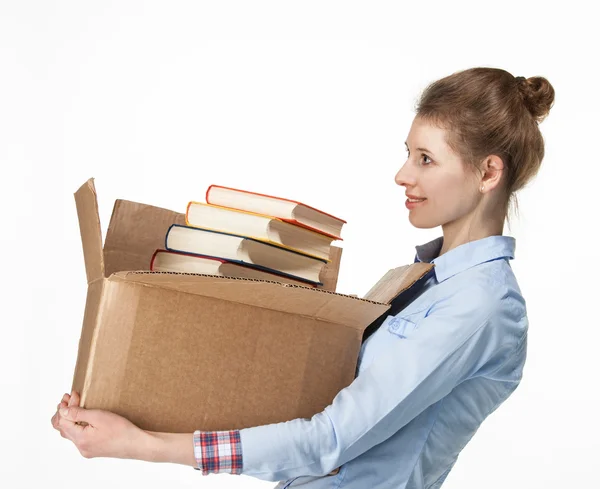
(74, 399)
(77, 414)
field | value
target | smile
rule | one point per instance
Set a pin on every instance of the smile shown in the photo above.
(412, 203)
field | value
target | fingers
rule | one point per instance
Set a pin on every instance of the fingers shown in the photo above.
(66, 401)
(76, 414)
(74, 400)
(56, 416)
(71, 423)
(66, 424)
(56, 425)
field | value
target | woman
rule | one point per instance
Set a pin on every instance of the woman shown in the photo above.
(430, 375)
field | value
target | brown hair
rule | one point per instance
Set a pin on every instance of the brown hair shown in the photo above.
(489, 111)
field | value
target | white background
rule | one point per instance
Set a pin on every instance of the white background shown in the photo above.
(306, 100)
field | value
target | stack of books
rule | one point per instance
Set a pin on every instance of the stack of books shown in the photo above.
(238, 233)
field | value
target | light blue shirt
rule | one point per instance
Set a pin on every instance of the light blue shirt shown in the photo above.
(427, 378)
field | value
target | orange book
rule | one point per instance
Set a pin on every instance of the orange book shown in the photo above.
(259, 227)
(287, 210)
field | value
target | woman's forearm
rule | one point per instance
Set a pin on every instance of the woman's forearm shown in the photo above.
(176, 448)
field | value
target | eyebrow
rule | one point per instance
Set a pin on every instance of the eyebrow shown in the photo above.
(420, 149)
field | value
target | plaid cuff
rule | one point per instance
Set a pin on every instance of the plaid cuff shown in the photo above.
(218, 452)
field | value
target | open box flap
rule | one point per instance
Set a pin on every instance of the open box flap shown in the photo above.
(396, 281)
(134, 233)
(89, 228)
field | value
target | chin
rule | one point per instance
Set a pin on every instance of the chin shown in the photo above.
(423, 223)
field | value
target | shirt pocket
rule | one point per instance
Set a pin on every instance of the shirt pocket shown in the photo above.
(401, 326)
(405, 323)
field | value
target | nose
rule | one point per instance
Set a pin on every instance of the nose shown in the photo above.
(403, 177)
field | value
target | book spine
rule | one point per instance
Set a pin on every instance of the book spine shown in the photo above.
(310, 228)
(152, 260)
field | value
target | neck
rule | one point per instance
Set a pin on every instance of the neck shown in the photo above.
(468, 229)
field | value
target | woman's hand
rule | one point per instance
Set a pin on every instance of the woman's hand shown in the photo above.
(106, 434)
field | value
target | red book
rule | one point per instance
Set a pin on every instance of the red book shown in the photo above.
(175, 261)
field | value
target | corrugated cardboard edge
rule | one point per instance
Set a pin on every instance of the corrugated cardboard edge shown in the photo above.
(311, 302)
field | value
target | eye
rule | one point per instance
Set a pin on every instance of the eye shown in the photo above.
(426, 159)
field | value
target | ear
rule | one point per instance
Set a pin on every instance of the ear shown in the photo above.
(491, 171)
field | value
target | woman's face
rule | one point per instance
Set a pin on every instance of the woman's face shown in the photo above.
(433, 172)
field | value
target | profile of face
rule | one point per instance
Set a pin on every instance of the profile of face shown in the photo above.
(435, 173)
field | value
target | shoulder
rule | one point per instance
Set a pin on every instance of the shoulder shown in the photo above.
(485, 295)
(489, 285)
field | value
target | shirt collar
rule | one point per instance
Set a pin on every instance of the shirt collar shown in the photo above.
(466, 255)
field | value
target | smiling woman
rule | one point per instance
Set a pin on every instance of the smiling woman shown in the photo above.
(432, 373)
(473, 144)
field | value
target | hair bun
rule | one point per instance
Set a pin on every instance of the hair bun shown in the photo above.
(538, 95)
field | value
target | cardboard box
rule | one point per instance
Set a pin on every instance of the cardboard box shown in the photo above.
(179, 352)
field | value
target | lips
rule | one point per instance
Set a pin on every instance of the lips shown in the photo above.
(412, 202)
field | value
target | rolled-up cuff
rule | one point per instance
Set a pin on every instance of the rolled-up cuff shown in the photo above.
(218, 452)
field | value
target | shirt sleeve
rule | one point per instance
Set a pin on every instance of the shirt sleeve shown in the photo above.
(218, 452)
(458, 336)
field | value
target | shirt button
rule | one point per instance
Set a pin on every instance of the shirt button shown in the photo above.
(394, 324)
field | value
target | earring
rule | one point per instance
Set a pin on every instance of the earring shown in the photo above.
(482, 188)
